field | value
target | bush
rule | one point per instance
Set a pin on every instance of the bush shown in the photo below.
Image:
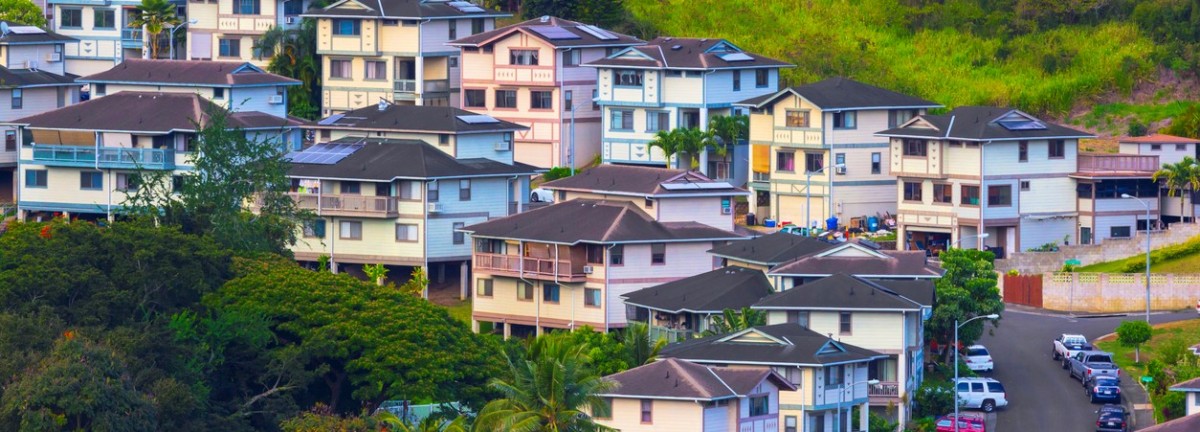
(1171, 405)
(1048, 247)
(934, 398)
(557, 173)
(1191, 247)
(1136, 129)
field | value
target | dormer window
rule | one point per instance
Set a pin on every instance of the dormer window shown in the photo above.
(523, 57)
(627, 77)
(347, 27)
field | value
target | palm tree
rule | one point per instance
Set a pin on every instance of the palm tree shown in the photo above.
(693, 142)
(295, 57)
(393, 423)
(670, 142)
(155, 16)
(639, 349)
(729, 129)
(550, 388)
(1177, 177)
(731, 321)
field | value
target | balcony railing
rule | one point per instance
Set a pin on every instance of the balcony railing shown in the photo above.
(437, 86)
(1110, 163)
(105, 157)
(564, 270)
(131, 34)
(762, 177)
(347, 205)
(671, 335)
(405, 86)
(884, 390)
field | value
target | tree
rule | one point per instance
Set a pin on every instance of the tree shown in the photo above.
(1178, 177)
(728, 131)
(639, 349)
(1133, 334)
(966, 290)
(731, 321)
(694, 142)
(155, 16)
(549, 387)
(296, 57)
(670, 142)
(22, 12)
(1186, 124)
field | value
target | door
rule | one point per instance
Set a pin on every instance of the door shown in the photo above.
(1085, 235)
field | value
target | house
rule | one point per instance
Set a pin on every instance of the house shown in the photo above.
(676, 83)
(1192, 389)
(102, 33)
(765, 252)
(228, 30)
(679, 395)
(82, 160)
(1170, 150)
(531, 73)
(1102, 182)
(885, 316)
(458, 133)
(681, 309)
(567, 265)
(947, 195)
(33, 80)
(831, 376)
(809, 142)
(393, 50)
(855, 258)
(1183, 424)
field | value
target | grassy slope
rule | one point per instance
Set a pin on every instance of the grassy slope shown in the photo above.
(1184, 264)
(870, 40)
(1186, 331)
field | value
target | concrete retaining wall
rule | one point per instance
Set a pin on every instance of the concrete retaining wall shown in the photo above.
(1108, 250)
(1118, 292)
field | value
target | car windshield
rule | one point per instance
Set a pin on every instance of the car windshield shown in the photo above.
(944, 422)
(1099, 358)
(977, 351)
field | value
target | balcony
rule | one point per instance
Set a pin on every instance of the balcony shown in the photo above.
(562, 270)
(104, 157)
(670, 334)
(885, 392)
(131, 38)
(437, 86)
(404, 86)
(348, 205)
(1116, 165)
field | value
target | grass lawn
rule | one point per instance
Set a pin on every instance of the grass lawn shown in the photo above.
(1184, 263)
(1186, 332)
(460, 311)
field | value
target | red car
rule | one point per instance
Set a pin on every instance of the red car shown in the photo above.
(967, 422)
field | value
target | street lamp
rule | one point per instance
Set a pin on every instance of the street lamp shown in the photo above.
(1147, 206)
(842, 399)
(177, 27)
(955, 347)
(982, 236)
(808, 196)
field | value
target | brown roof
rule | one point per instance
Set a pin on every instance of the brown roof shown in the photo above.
(592, 221)
(674, 378)
(896, 263)
(39, 36)
(147, 112)
(1159, 139)
(33, 78)
(642, 180)
(1190, 386)
(690, 53)
(402, 9)
(1183, 424)
(533, 28)
(772, 249)
(214, 73)
(393, 117)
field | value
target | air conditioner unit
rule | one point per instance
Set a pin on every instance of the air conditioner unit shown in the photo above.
(290, 20)
(726, 210)
(502, 146)
(53, 57)
(433, 207)
(840, 170)
(587, 269)
(276, 99)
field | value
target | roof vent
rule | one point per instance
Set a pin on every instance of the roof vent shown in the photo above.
(676, 47)
(667, 39)
(545, 18)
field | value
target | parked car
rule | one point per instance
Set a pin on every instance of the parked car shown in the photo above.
(1087, 364)
(986, 394)
(967, 422)
(1112, 418)
(1103, 388)
(1066, 345)
(541, 195)
(979, 359)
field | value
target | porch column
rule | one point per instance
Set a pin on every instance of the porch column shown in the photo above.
(475, 325)
(441, 276)
(419, 74)
(863, 415)
(463, 281)
(703, 153)
(507, 329)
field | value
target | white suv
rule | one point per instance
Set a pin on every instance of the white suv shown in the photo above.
(979, 359)
(983, 393)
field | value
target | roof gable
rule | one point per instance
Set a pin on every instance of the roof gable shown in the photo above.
(831, 347)
(752, 336)
(852, 249)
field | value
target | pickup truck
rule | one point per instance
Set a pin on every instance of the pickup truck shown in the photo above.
(1066, 345)
(1088, 364)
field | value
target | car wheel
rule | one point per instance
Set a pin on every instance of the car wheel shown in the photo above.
(988, 406)
(1054, 354)
(1064, 364)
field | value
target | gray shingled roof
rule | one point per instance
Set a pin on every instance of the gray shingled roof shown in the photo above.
(977, 123)
(687, 53)
(783, 344)
(46, 36)
(593, 221)
(1183, 424)
(400, 9)
(841, 292)
(147, 112)
(679, 379)
(896, 263)
(1192, 385)
(845, 93)
(412, 118)
(389, 159)
(641, 180)
(709, 292)
(188, 72)
(33, 78)
(772, 249)
(584, 38)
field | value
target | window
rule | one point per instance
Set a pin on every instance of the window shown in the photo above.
(443, 139)
(1024, 185)
(798, 317)
(797, 119)
(605, 413)
(845, 325)
(834, 376)
(483, 287)
(595, 99)
(915, 147)
(347, 27)
(943, 193)
(737, 80)
(1000, 195)
(524, 291)
(789, 424)
(1083, 190)
(1118, 231)
(523, 57)
(626, 77)
(901, 116)
(568, 101)
(845, 120)
(647, 411)
(785, 161)
(1183, 147)
(550, 293)
(506, 98)
(433, 191)
(477, 26)
(72, 18)
(541, 100)
(35, 178)
(464, 190)
(263, 52)
(293, 7)
(658, 253)
(10, 140)
(595, 254)
(1023, 151)
(912, 191)
(649, 203)
(459, 236)
(1155, 147)
(814, 162)
(840, 159)
(91, 180)
(350, 230)
(453, 30)
(230, 47)
(406, 232)
(105, 18)
(376, 70)
(100, 89)
(621, 120)
(351, 187)
(970, 195)
(218, 93)
(391, 22)
(762, 78)
(759, 406)
(312, 229)
(127, 182)
(1058, 149)
(616, 255)
(452, 61)
(475, 98)
(339, 68)
(571, 58)
(591, 297)
(876, 163)
(246, 7)
(658, 121)
(18, 98)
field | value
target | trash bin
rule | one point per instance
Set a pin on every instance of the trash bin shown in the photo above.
(831, 224)
(750, 220)
(873, 224)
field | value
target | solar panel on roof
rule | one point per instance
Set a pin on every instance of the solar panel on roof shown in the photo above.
(735, 57)
(697, 186)
(554, 32)
(25, 30)
(324, 154)
(598, 32)
(1022, 125)
(478, 119)
(466, 6)
(331, 119)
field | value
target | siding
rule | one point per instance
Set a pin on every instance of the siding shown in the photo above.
(1167, 154)
(378, 240)
(1002, 159)
(482, 146)
(489, 198)
(1047, 195)
(705, 210)
(1035, 233)
(34, 101)
(257, 99)
(717, 419)
(870, 330)
(682, 260)
(669, 416)
(868, 122)
(37, 56)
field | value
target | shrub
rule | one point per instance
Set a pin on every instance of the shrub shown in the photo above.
(1171, 405)
(934, 398)
(557, 173)
(1136, 129)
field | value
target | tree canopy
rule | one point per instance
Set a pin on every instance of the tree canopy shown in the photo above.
(966, 290)
(22, 12)
(1134, 333)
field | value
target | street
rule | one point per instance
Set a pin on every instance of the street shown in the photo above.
(1041, 396)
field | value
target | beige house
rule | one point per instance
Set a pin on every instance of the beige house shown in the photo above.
(228, 30)
(1192, 389)
(1169, 149)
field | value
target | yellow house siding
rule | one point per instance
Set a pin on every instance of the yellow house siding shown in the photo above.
(398, 38)
(668, 416)
(870, 330)
(504, 302)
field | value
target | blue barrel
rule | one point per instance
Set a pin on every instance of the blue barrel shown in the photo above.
(831, 224)
(873, 224)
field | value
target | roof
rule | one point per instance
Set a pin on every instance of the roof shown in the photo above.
(643, 181)
(1158, 139)
(188, 72)
(33, 78)
(576, 34)
(710, 292)
(771, 249)
(687, 53)
(883, 263)
(779, 344)
(678, 379)
(25, 34)
(412, 9)
(1183, 424)
(842, 292)
(1190, 386)
(147, 112)
(845, 93)
(606, 222)
(382, 159)
(415, 118)
(981, 123)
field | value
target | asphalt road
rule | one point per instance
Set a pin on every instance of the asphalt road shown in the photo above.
(1041, 396)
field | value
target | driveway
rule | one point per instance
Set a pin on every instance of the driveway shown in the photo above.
(1041, 396)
